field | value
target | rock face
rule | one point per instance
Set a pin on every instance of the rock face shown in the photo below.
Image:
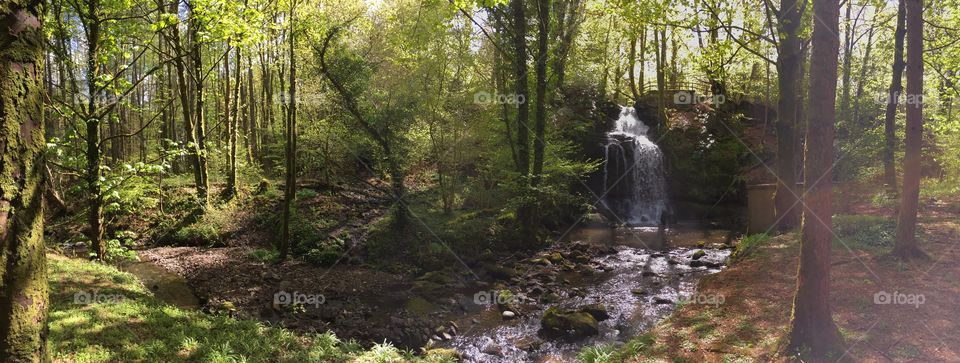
(574, 324)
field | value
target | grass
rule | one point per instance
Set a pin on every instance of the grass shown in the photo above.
(865, 232)
(129, 324)
(748, 245)
(939, 188)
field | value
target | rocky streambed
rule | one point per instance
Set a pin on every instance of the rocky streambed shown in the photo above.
(577, 295)
(602, 286)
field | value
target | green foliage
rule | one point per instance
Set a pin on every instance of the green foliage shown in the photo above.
(704, 157)
(864, 231)
(748, 245)
(196, 234)
(883, 199)
(327, 253)
(597, 354)
(940, 188)
(117, 251)
(265, 255)
(637, 346)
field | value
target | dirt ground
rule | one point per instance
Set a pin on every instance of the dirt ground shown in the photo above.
(758, 291)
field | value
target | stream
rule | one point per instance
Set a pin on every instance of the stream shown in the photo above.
(640, 285)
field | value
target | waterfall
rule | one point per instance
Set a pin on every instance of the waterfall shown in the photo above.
(633, 172)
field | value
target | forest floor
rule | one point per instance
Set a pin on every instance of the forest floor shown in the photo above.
(101, 314)
(920, 325)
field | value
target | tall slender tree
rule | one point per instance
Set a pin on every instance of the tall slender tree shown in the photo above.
(539, 141)
(893, 97)
(906, 246)
(290, 185)
(811, 325)
(23, 270)
(519, 17)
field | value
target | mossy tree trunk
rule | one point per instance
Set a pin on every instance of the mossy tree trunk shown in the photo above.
(23, 270)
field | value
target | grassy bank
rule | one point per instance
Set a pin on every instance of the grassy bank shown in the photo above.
(101, 314)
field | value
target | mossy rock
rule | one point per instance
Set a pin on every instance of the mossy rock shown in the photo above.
(440, 277)
(575, 324)
(555, 257)
(698, 255)
(597, 311)
(419, 305)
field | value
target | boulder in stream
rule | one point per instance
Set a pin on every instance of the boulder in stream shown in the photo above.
(597, 311)
(570, 324)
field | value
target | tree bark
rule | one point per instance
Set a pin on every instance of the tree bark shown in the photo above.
(199, 122)
(893, 99)
(93, 125)
(233, 114)
(539, 140)
(23, 269)
(786, 200)
(518, 12)
(631, 65)
(812, 326)
(906, 246)
(290, 189)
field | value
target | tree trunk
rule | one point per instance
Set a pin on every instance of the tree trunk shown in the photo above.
(906, 246)
(227, 120)
(23, 266)
(290, 187)
(631, 65)
(199, 122)
(539, 141)
(788, 78)
(93, 152)
(893, 99)
(233, 114)
(812, 326)
(517, 8)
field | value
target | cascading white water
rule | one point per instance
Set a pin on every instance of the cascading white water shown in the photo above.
(633, 172)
